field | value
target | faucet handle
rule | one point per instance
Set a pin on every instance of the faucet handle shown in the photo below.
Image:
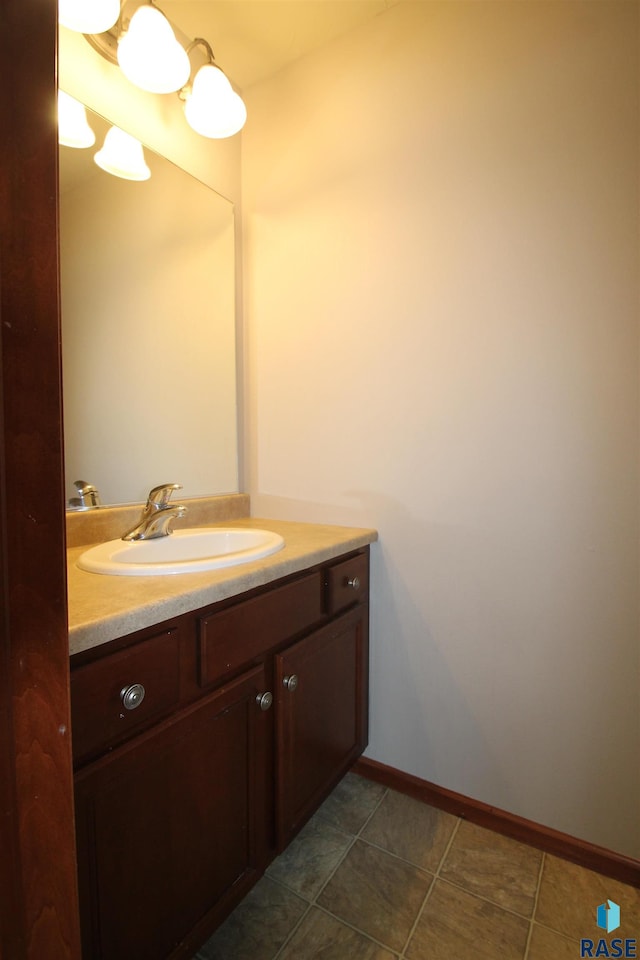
(159, 496)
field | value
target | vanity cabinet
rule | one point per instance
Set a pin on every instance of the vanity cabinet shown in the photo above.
(167, 825)
(252, 710)
(321, 717)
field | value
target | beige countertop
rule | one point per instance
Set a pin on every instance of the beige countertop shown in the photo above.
(103, 607)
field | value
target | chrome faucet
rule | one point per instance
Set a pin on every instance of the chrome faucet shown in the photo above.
(88, 497)
(157, 514)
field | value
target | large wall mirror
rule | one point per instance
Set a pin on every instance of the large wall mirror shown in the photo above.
(148, 329)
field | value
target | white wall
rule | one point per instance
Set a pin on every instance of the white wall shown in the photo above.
(441, 234)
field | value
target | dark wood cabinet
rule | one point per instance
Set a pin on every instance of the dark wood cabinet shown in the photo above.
(243, 717)
(168, 824)
(321, 717)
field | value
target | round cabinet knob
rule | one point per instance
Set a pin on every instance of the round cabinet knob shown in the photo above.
(354, 582)
(290, 683)
(132, 696)
(264, 700)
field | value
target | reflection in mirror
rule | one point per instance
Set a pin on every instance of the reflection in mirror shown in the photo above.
(148, 329)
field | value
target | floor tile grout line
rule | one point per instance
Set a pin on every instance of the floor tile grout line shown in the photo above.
(313, 901)
(383, 795)
(444, 856)
(539, 923)
(436, 874)
(342, 921)
(335, 869)
(535, 907)
(363, 933)
(418, 917)
(293, 930)
(396, 856)
(485, 899)
(559, 933)
(354, 837)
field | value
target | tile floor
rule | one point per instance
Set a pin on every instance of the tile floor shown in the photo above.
(376, 875)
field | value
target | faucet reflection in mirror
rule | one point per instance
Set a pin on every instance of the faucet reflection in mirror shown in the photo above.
(88, 497)
(142, 41)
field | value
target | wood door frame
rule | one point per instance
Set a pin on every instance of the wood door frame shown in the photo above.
(38, 886)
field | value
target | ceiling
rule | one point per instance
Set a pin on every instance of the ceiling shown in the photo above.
(253, 39)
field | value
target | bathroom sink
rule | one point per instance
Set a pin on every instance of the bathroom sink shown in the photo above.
(183, 551)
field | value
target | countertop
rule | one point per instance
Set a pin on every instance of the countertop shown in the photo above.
(102, 607)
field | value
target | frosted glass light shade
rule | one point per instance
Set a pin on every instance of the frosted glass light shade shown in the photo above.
(149, 54)
(123, 156)
(88, 16)
(213, 108)
(73, 127)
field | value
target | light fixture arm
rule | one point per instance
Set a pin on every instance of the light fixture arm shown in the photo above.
(200, 41)
(106, 44)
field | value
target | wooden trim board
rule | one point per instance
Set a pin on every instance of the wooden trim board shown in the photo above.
(607, 862)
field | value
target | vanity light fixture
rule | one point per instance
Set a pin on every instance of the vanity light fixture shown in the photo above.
(149, 54)
(88, 16)
(73, 126)
(123, 156)
(211, 105)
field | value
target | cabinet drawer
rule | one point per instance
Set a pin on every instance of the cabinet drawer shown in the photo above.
(98, 710)
(347, 583)
(237, 635)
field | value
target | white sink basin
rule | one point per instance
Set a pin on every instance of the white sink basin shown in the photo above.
(183, 551)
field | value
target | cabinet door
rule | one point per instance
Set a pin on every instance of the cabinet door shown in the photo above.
(172, 826)
(321, 719)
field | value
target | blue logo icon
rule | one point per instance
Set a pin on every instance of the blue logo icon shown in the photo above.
(608, 917)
